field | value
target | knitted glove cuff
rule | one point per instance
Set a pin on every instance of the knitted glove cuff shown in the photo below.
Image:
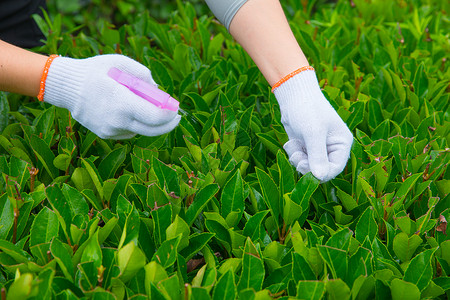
(64, 82)
(304, 83)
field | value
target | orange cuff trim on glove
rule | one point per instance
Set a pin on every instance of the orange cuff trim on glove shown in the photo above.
(290, 75)
(40, 96)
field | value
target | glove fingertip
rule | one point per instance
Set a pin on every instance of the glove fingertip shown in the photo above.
(168, 127)
(303, 168)
(292, 146)
(150, 114)
(320, 172)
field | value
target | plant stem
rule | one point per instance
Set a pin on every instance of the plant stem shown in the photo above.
(16, 217)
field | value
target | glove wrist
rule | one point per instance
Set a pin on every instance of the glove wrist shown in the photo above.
(304, 83)
(64, 82)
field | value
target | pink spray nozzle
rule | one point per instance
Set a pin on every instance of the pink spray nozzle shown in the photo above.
(144, 89)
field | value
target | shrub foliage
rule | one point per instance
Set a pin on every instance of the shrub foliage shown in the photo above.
(214, 209)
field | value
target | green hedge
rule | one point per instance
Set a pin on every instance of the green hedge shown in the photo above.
(214, 209)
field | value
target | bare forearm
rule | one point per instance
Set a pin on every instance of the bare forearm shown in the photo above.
(20, 70)
(261, 28)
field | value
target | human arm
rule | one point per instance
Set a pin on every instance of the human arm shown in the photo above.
(319, 141)
(20, 70)
(82, 86)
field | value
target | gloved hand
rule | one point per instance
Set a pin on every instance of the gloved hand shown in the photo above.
(102, 105)
(319, 141)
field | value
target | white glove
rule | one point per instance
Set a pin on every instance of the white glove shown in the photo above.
(319, 141)
(102, 105)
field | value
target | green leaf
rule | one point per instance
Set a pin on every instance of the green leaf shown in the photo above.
(302, 193)
(22, 220)
(19, 169)
(313, 290)
(67, 203)
(45, 279)
(221, 233)
(402, 290)
(95, 177)
(130, 260)
(225, 287)
(196, 242)
(4, 110)
(86, 275)
(61, 284)
(270, 142)
(62, 161)
(92, 252)
(291, 211)
(179, 226)
(131, 228)
(162, 218)
(367, 226)
(421, 81)
(363, 287)
(443, 282)
(15, 252)
(360, 264)
(356, 115)
(44, 122)
(155, 293)
(399, 86)
(336, 259)
(170, 286)
(347, 200)
(6, 215)
(301, 270)
(337, 290)
(154, 273)
(111, 163)
(406, 186)
(194, 148)
(161, 75)
(167, 252)
(232, 198)
(82, 180)
(201, 199)
(405, 224)
(141, 159)
(375, 116)
(287, 178)
(197, 281)
(62, 256)
(23, 287)
(44, 228)
(254, 228)
(253, 273)
(404, 246)
(199, 293)
(432, 291)
(105, 231)
(199, 102)
(381, 132)
(44, 155)
(420, 270)
(270, 193)
(340, 239)
(340, 217)
(167, 177)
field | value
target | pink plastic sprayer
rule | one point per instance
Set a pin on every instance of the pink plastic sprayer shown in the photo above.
(146, 90)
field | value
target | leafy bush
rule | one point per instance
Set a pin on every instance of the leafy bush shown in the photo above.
(214, 209)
